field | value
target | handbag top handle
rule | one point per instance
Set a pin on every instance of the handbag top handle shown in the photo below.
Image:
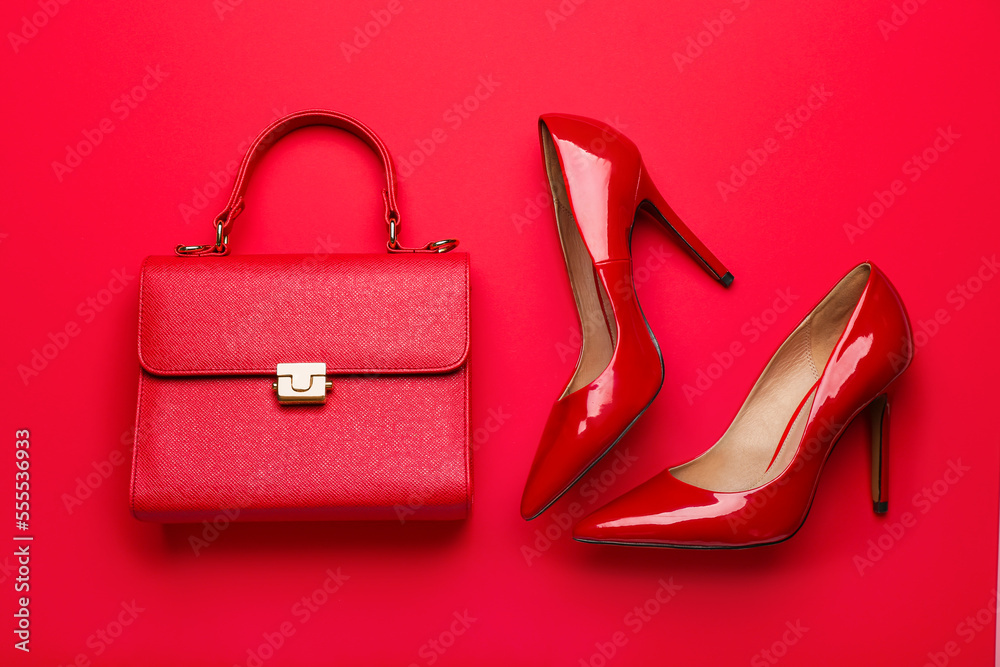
(224, 221)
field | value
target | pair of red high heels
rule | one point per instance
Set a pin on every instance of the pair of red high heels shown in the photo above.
(837, 362)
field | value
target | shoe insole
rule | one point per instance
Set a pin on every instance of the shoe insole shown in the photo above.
(767, 431)
(597, 323)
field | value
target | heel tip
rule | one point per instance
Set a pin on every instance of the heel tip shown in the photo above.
(727, 279)
(880, 507)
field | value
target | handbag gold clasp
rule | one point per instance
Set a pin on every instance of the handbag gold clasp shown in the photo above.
(302, 383)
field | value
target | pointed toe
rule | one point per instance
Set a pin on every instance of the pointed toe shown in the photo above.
(580, 430)
(544, 486)
(599, 527)
(665, 512)
(564, 454)
(533, 502)
(643, 516)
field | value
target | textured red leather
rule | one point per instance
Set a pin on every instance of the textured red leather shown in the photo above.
(392, 439)
(384, 313)
(391, 442)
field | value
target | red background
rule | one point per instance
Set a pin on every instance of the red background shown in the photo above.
(223, 75)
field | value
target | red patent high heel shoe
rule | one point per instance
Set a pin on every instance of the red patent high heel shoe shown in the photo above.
(598, 182)
(756, 484)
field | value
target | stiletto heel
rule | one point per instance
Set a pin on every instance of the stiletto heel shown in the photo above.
(651, 199)
(756, 484)
(598, 184)
(878, 415)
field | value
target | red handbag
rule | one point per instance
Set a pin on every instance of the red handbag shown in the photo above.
(292, 387)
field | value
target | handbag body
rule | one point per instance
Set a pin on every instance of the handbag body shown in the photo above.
(303, 387)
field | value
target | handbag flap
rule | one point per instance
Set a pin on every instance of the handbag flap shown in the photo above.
(243, 315)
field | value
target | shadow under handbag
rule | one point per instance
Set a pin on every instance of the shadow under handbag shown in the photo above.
(298, 387)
